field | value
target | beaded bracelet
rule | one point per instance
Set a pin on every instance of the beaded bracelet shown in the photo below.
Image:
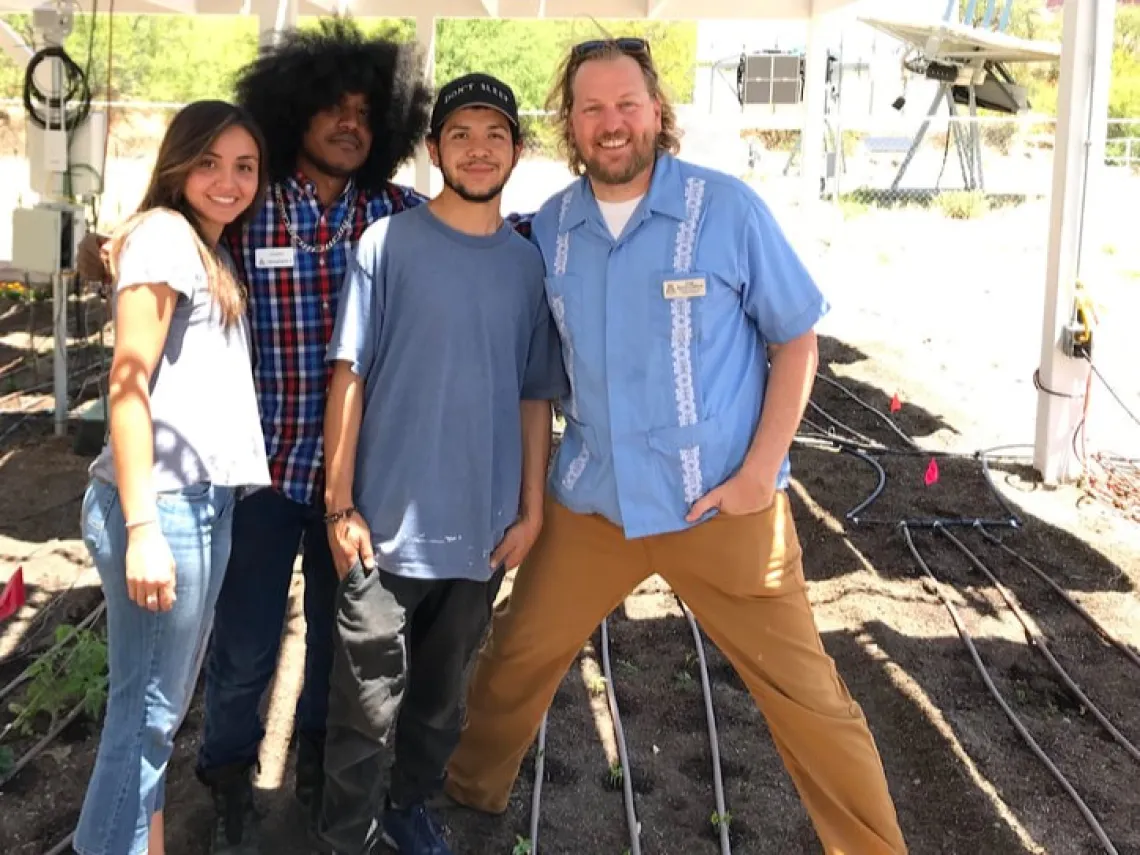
(337, 516)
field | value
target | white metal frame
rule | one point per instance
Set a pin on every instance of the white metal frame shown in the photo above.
(1080, 133)
(1078, 167)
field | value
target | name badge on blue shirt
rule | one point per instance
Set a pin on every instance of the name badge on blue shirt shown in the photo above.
(677, 289)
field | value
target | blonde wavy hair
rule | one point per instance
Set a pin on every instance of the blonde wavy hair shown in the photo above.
(192, 132)
(560, 101)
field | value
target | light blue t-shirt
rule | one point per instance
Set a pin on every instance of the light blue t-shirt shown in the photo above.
(450, 332)
(665, 332)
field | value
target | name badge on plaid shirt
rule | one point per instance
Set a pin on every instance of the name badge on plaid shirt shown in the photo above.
(274, 257)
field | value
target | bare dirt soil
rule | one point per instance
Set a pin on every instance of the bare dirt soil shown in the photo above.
(957, 340)
(963, 780)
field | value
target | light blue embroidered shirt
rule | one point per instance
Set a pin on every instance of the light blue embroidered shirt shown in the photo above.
(664, 336)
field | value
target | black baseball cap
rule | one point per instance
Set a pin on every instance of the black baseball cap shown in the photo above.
(474, 90)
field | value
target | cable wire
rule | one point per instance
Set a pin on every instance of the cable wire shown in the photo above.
(1090, 819)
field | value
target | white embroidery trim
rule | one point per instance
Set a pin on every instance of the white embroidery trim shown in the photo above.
(681, 311)
(576, 468)
(691, 473)
(562, 245)
(682, 339)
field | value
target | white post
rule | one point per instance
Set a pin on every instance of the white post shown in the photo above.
(425, 38)
(59, 355)
(1078, 155)
(273, 18)
(815, 98)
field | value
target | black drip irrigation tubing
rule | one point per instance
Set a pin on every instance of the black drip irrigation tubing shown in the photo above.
(936, 587)
(35, 750)
(536, 793)
(871, 408)
(1102, 630)
(834, 421)
(714, 741)
(1037, 640)
(863, 449)
(623, 752)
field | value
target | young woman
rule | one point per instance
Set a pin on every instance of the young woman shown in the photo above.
(185, 440)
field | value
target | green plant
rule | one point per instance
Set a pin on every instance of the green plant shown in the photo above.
(596, 684)
(719, 819)
(523, 845)
(683, 679)
(999, 136)
(616, 774)
(963, 204)
(74, 674)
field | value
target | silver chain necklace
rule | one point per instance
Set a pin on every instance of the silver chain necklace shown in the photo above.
(318, 249)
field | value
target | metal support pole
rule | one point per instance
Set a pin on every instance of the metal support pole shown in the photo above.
(812, 136)
(425, 38)
(943, 89)
(1082, 110)
(59, 354)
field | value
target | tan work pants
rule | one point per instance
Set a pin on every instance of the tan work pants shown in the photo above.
(743, 579)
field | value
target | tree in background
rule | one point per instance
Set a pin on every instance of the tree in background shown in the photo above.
(178, 58)
(525, 54)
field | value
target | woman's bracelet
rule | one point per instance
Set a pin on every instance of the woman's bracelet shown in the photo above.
(337, 516)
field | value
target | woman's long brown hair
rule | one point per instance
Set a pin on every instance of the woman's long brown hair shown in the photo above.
(190, 136)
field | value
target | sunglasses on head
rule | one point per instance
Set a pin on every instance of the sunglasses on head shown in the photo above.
(626, 44)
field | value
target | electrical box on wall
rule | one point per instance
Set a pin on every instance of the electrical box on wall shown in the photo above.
(60, 167)
(44, 238)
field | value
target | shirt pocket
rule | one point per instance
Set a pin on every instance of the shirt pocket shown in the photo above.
(579, 461)
(690, 459)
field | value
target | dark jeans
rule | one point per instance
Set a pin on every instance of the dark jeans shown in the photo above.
(403, 651)
(268, 529)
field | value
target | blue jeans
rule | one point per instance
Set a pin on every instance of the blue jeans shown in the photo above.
(268, 529)
(154, 657)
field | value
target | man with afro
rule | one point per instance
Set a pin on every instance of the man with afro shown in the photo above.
(341, 111)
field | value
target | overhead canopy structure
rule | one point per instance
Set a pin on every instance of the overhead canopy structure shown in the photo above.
(1081, 127)
(962, 43)
(599, 9)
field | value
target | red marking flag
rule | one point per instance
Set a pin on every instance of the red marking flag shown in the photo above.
(13, 597)
(931, 472)
(896, 404)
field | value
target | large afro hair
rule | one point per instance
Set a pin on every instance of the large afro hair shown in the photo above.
(312, 70)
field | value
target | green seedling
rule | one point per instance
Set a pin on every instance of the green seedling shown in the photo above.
(75, 673)
(683, 679)
(616, 774)
(523, 846)
(719, 819)
(596, 685)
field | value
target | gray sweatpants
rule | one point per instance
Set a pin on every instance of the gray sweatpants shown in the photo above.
(402, 653)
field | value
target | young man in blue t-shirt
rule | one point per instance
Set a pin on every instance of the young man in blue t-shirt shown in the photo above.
(437, 435)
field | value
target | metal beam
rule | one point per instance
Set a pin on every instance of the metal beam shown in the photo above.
(14, 46)
(425, 38)
(671, 10)
(814, 129)
(1078, 164)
